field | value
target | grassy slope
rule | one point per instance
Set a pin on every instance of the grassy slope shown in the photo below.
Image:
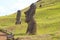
(47, 18)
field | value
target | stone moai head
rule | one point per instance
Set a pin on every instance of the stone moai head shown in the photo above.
(18, 13)
(18, 17)
(33, 6)
(29, 13)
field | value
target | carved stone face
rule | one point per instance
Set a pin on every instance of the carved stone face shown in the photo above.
(27, 16)
(30, 13)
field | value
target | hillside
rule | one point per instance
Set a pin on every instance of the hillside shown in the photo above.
(47, 19)
(46, 3)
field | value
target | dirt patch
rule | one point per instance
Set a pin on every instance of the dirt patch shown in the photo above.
(3, 38)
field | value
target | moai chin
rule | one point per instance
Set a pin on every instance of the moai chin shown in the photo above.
(29, 14)
(18, 17)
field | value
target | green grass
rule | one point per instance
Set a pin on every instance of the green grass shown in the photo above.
(47, 19)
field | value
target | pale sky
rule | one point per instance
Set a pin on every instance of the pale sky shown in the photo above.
(8, 7)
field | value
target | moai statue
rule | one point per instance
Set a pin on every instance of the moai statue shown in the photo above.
(29, 14)
(18, 18)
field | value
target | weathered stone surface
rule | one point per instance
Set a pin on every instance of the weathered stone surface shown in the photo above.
(29, 14)
(18, 17)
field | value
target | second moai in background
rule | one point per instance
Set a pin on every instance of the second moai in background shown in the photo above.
(29, 14)
(18, 17)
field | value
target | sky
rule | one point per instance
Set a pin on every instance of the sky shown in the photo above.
(8, 7)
